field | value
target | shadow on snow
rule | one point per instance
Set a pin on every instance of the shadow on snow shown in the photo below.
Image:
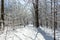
(47, 37)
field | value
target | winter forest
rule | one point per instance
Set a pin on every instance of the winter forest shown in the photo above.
(29, 19)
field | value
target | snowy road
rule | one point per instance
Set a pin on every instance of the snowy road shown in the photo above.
(28, 33)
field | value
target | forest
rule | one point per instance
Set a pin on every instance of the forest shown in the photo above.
(29, 19)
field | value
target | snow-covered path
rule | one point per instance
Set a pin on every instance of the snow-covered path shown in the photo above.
(26, 33)
(29, 33)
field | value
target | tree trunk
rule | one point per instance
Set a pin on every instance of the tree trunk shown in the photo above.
(36, 21)
(55, 17)
(51, 15)
(2, 12)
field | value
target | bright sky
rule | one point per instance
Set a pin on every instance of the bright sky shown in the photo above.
(22, 2)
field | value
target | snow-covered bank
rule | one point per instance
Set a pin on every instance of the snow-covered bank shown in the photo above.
(50, 32)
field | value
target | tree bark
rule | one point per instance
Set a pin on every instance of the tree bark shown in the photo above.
(36, 21)
(2, 12)
(55, 17)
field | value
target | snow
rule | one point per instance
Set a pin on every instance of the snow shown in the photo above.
(26, 33)
(50, 32)
(46, 36)
(29, 32)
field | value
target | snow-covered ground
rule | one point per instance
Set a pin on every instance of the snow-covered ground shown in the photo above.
(27, 33)
(50, 32)
(24, 33)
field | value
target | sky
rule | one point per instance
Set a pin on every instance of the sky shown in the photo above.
(6, 2)
(21, 1)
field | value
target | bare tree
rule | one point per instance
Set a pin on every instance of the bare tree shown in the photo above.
(51, 15)
(35, 5)
(40, 14)
(2, 12)
(46, 13)
(55, 17)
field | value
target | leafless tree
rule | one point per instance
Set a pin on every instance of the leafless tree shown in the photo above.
(2, 12)
(55, 17)
(36, 20)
